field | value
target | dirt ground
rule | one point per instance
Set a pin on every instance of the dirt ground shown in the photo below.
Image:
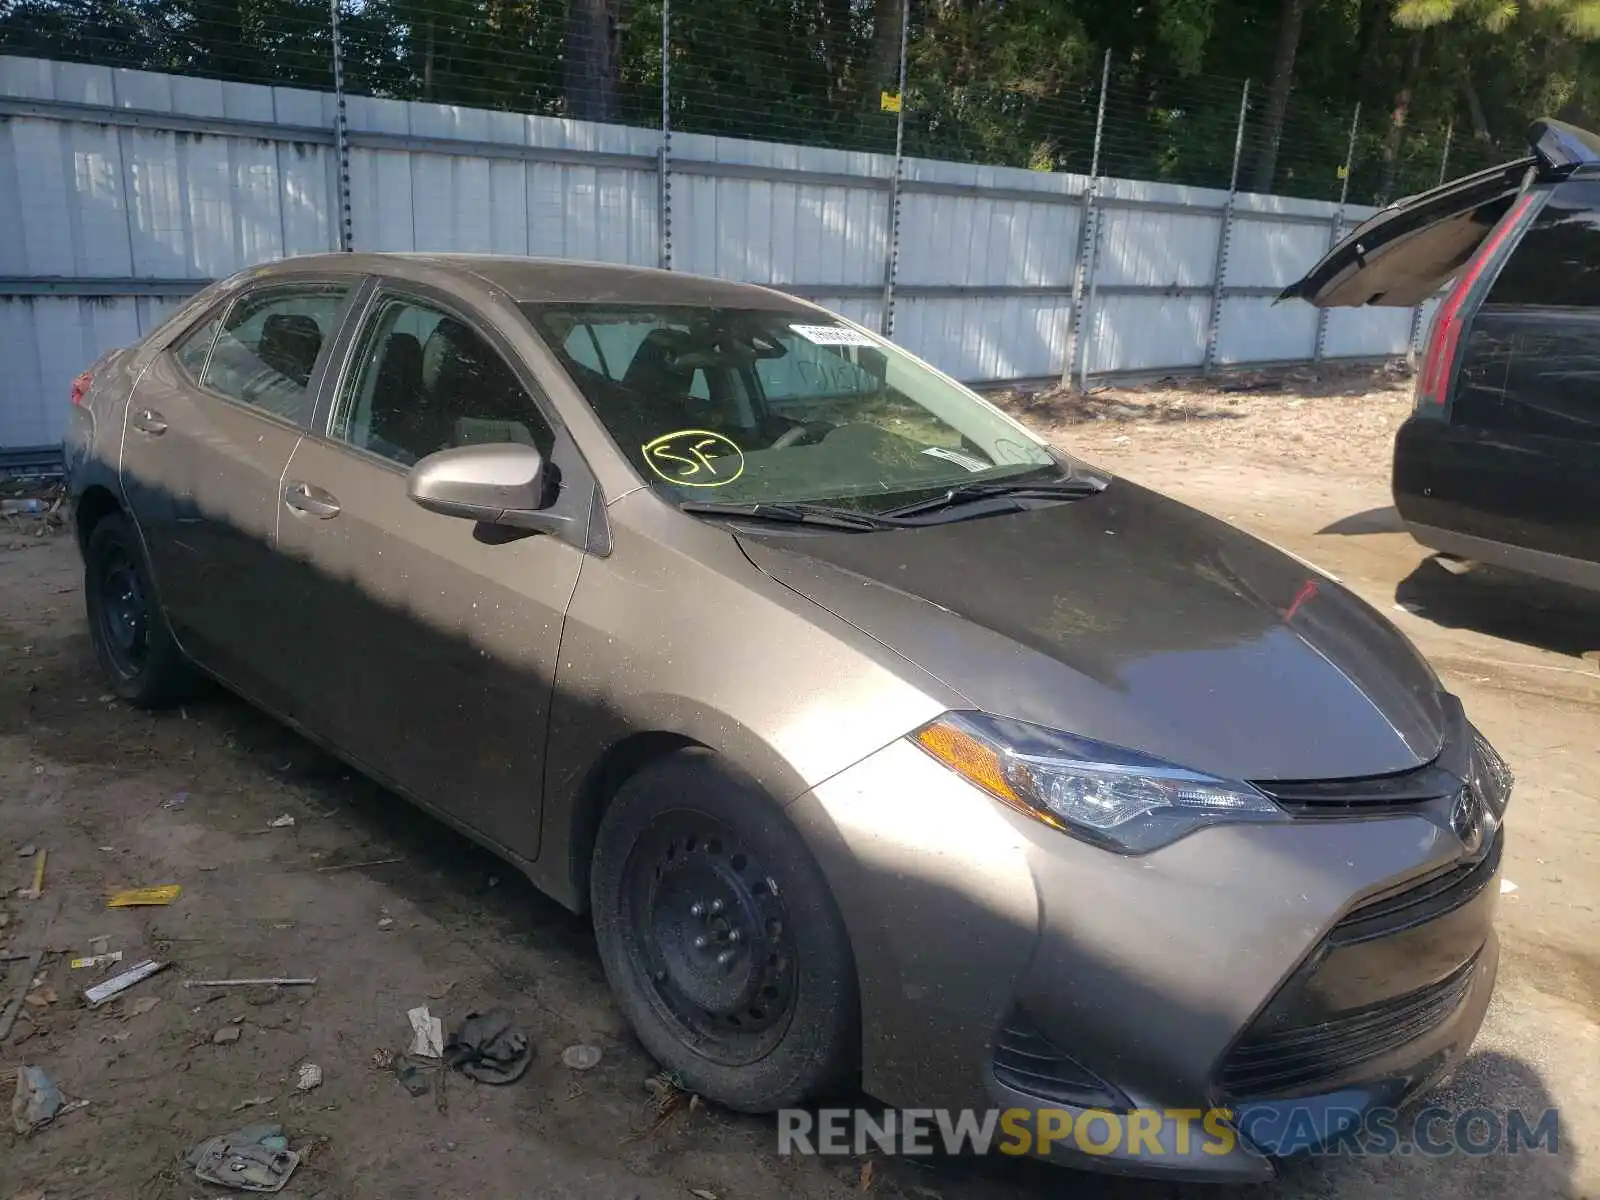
(389, 910)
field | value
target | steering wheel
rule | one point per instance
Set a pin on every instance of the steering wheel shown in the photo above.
(805, 434)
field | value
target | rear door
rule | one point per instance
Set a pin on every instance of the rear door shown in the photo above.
(427, 646)
(206, 436)
(1525, 411)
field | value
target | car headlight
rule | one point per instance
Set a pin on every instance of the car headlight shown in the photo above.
(1490, 776)
(1120, 799)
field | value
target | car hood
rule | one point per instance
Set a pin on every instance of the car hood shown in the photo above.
(1138, 621)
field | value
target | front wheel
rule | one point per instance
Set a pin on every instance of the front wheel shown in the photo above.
(138, 656)
(720, 938)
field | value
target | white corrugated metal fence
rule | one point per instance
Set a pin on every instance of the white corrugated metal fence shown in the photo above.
(123, 191)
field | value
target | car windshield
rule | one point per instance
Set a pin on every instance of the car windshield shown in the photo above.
(763, 406)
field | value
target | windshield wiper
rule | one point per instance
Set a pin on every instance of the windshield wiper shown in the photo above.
(791, 514)
(968, 493)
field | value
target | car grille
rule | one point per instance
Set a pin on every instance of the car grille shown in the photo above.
(1028, 1061)
(1490, 779)
(1292, 1059)
(1418, 902)
(1345, 797)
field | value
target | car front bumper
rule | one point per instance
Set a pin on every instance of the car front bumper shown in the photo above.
(1313, 963)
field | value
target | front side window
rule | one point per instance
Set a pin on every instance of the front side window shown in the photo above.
(751, 405)
(424, 380)
(194, 348)
(269, 344)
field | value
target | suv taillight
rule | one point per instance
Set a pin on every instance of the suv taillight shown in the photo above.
(80, 387)
(1433, 384)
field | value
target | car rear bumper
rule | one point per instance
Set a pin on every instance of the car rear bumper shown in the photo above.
(1316, 962)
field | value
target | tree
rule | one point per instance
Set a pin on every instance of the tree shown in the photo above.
(1290, 18)
(592, 69)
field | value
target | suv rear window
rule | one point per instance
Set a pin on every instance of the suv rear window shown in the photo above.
(1557, 262)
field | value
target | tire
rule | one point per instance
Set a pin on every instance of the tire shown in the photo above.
(138, 656)
(763, 1014)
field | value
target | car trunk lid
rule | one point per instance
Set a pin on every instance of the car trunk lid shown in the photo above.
(1405, 253)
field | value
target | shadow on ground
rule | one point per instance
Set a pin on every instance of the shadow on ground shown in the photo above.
(1504, 604)
(1373, 520)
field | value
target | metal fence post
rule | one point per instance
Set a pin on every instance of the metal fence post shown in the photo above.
(1414, 346)
(891, 266)
(1087, 239)
(664, 159)
(341, 136)
(1337, 232)
(1219, 268)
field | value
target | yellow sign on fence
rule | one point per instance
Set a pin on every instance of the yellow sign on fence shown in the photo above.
(889, 101)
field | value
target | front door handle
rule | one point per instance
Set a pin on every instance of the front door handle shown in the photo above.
(148, 420)
(308, 498)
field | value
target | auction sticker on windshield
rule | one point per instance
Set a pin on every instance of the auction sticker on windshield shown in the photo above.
(832, 335)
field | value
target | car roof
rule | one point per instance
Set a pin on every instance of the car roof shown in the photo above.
(552, 280)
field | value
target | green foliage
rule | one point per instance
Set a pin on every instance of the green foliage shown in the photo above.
(1014, 82)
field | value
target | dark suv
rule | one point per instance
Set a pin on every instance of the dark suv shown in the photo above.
(1499, 461)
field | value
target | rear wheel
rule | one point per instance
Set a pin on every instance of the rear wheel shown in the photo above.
(721, 939)
(140, 660)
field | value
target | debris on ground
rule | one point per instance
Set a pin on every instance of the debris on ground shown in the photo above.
(96, 960)
(179, 799)
(414, 1076)
(37, 890)
(1507, 887)
(581, 1058)
(308, 1077)
(253, 1159)
(165, 893)
(28, 851)
(274, 981)
(117, 984)
(427, 1033)
(37, 1101)
(489, 1047)
(139, 1007)
(226, 1036)
(283, 822)
(8, 1015)
(351, 866)
(42, 997)
(385, 922)
(252, 1102)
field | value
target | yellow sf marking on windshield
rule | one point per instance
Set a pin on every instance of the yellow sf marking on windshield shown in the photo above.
(694, 458)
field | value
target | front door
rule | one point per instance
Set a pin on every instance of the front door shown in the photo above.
(207, 434)
(429, 645)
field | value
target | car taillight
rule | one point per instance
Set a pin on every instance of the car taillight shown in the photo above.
(1433, 385)
(80, 387)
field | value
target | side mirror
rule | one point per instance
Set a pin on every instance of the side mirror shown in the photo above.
(502, 483)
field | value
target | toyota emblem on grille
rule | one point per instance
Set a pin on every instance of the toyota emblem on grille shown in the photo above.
(1466, 819)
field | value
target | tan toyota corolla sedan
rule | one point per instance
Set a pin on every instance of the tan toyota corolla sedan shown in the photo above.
(884, 742)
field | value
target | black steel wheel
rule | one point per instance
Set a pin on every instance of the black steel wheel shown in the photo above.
(141, 662)
(721, 939)
(716, 942)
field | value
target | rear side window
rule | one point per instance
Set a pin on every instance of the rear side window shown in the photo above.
(1557, 262)
(269, 344)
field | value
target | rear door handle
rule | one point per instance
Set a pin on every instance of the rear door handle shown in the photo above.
(148, 420)
(308, 498)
